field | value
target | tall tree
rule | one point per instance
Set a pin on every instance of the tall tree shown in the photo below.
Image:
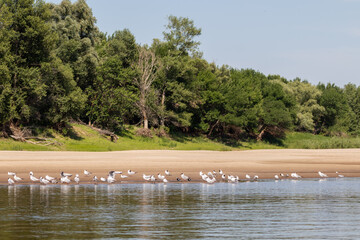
(146, 67)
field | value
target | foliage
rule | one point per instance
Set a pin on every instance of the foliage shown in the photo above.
(56, 66)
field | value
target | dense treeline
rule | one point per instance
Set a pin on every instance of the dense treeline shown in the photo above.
(56, 66)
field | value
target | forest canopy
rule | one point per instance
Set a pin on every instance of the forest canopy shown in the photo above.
(56, 66)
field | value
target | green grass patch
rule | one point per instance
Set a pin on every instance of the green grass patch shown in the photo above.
(83, 138)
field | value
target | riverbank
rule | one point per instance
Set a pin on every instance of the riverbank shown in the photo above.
(264, 163)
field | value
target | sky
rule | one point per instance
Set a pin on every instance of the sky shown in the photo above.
(315, 40)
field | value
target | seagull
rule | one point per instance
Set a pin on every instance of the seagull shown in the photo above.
(44, 181)
(65, 179)
(165, 180)
(117, 172)
(10, 181)
(178, 179)
(221, 172)
(87, 173)
(123, 176)
(186, 178)
(103, 179)
(77, 179)
(276, 177)
(204, 177)
(11, 173)
(32, 178)
(256, 177)
(95, 179)
(323, 175)
(131, 172)
(295, 175)
(65, 174)
(146, 177)
(152, 178)
(339, 175)
(161, 177)
(210, 174)
(247, 176)
(232, 179)
(201, 173)
(211, 180)
(111, 177)
(47, 177)
(167, 172)
(17, 179)
(223, 177)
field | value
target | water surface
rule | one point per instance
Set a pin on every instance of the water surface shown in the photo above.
(306, 209)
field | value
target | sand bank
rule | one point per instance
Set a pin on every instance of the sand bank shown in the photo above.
(264, 163)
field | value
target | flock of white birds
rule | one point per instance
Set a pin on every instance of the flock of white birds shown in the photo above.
(210, 177)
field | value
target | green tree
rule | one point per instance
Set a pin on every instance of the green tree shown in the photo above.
(113, 95)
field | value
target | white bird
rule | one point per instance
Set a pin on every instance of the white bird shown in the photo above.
(339, 175)
(276, 177)
(256, 177)
(295, 175)
(65, 174)
(186, 178)
(44, 181)
(65, 179)
(223, 177)
(17, 179)
(54, 181)
(123, 176)
(201, 173)
(221, 172)
(247, 176)
(111, 177)
(117, 172)
(204, 177)
(87, 173)
(165, 180)
(232, 179)
(77, 179)
(323, 175)
(161, 177)
(210, 174)
(152, 178)
(103, 179)
(11, 173)
(146, 177)
(167, 173)
(131, 172)
(211, 180)
(95, 179)
(47, 177)
(10, 181)
(33, 178)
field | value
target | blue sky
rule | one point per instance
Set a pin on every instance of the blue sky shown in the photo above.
(316, 40)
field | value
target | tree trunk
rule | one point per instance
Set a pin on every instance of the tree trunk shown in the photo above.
(212, 128)
(162, 117)
(259, 137)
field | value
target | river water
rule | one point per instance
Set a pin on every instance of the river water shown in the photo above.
(305, 209)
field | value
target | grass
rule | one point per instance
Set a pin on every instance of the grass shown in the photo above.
(83, 138)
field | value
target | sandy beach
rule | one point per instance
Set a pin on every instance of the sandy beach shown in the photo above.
(264, 163)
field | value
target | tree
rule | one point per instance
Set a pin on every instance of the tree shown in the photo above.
(113, 95)
(146, 66)
(181, 34)
(26, 43)
(307, 107)
(335, 119)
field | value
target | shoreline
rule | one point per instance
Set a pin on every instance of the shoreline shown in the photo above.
(264, 163)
